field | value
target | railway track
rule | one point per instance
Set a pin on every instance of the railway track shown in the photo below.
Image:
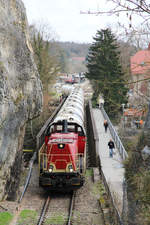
(58, 209)
(44, 210)
(71, 206)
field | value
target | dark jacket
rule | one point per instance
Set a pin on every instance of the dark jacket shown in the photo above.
(111, 144)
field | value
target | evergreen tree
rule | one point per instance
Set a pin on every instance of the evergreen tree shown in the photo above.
(105, 72)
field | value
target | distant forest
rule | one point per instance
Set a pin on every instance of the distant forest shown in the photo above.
(73, 49)
(74, 56)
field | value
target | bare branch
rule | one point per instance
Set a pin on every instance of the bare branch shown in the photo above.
(138, 7)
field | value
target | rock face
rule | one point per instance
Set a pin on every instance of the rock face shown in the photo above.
(20, 91)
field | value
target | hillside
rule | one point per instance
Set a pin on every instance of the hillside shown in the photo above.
(75, 54)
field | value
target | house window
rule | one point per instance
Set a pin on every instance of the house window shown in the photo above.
(142, 63)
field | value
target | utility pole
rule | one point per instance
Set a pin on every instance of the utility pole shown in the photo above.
(123, 105)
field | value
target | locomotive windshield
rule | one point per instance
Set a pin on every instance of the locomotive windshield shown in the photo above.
(60, 128)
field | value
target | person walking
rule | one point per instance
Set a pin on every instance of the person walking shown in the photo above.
(101, 102)
(105, 125)
(141, 123)
(111, 148)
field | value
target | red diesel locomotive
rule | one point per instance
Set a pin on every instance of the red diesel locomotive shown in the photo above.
(62, 158)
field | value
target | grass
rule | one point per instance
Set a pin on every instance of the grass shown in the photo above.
(89, 172)
(98, 188)
(27, 217)
(5, 218)
(56, 219)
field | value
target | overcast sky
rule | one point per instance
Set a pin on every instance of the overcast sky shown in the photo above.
(65, 19)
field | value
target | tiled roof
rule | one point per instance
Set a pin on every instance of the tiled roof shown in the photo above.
(133, 112)
(140, 62)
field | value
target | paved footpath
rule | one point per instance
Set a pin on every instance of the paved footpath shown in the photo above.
(112, 167)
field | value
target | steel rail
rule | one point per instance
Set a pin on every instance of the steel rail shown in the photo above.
(43, 212)
(71, 208)
(3, 208)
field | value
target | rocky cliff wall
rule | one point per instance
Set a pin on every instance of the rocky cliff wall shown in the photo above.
(20, 90)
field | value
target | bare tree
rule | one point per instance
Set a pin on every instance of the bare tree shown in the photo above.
(136, 12)
(47, 60)
(138, 37)
(137, 6)
(130, 7)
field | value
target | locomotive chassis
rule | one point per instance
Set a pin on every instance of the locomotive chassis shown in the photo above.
(61, 181)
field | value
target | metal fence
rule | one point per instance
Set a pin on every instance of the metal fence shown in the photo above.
(115, 136)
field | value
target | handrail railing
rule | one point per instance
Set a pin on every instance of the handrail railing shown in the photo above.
(115, 136)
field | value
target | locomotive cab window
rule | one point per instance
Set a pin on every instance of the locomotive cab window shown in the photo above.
(51, 129)
(80, 131)
(59, 128)
(71, 127)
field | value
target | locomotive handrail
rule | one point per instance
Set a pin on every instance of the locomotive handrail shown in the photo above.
(115, 136)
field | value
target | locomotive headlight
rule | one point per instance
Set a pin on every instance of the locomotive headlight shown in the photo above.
(61, 146)
(70, 168)
(51, 168)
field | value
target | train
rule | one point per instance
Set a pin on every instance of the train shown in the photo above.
(62, 158)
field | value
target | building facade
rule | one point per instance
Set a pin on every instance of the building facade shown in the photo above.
(140, 71)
